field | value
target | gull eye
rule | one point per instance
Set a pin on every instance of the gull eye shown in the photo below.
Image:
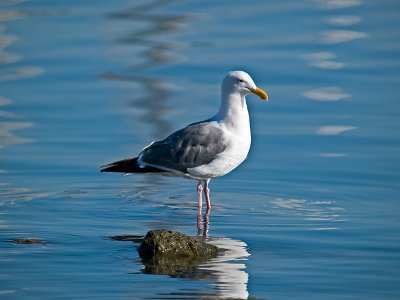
(241, 80)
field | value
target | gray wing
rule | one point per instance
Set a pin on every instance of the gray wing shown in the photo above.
(192, 146)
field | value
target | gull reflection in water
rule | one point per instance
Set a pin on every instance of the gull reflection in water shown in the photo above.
(226, 272)
(200, 222)
(229, 276)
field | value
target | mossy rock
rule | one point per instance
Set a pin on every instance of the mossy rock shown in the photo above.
(164, 244)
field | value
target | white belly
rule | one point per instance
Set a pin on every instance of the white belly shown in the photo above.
(226, 161)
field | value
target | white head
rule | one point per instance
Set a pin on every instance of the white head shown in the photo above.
(240, 82)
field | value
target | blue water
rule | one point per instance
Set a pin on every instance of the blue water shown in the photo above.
(311, 214)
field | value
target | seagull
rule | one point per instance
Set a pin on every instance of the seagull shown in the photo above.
(205, 149)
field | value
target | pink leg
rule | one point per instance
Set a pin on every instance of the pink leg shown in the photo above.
(199, 191)
(207, 194)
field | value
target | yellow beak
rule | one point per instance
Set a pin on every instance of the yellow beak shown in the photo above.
(260, 93)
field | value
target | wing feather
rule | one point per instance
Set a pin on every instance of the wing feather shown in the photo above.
(192, 146)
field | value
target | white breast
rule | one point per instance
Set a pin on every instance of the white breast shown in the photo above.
(237, 137)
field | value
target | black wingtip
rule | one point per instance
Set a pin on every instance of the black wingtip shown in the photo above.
(128, 166)
(107, 168)
(121, 166)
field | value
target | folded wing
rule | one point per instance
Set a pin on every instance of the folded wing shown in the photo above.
(192, 146)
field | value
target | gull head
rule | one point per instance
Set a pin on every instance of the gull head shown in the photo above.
(240, 82)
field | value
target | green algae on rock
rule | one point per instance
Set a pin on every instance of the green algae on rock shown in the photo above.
(169, 244)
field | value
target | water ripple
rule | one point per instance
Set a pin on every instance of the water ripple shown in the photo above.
(337, 4)
(325, 211)
(323, 60)
(332, 154)
(7, 137)
(327, 94)
(20, 73)
(341, 36)
(334, 130)
(344, 20)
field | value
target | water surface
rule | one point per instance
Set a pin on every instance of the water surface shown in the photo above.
(311, 214)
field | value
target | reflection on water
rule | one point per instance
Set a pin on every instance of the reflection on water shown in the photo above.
(156, 52)
(341, 36)
(12, 2)
(332, 155)
(329, 61)
(10, 194)
(20, 73)
(337, 4)
(7, 135)
(154, 109)
(345, 20)
(313, 211)
(6, 114)
(10, 121)
(5, 56)
(11, 15)
(203, 225)
(334, 130)
(331, 93)
(226, 272)
(323, 60)
(12, 73)
(230, 277)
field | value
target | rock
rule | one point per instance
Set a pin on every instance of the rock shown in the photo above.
(172, 244)
(27, 241)
(173, 253)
